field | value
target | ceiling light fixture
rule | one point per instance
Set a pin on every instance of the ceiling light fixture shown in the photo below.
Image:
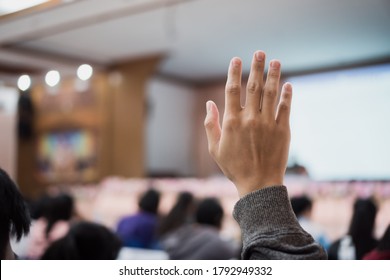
(24, 82)
(52, 78)
(84, 72)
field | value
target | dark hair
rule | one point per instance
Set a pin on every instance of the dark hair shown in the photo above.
(363, 218)
(178, 215)
(362, 226)
(149, 201)
(14, 215)
(209, 212)
(300, 204)
(384, 243)
(57, 208)
(85, 241)
(38, 206)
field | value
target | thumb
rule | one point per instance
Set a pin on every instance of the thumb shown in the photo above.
(212, 126)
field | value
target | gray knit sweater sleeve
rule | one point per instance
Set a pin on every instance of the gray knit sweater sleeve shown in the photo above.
(270, 230)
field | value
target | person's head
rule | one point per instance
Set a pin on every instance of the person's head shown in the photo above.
(38, 207)
(149, 201)
(62, 207)
(85, 241)
(14, 215)
(209, 212)
(363, 219)
(179, 214)
(301, 205)
(58, 208)
(184, 199)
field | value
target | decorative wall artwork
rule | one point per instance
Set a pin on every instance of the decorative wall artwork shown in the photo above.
(67, 156)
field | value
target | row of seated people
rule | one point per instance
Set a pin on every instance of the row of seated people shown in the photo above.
(189, 231)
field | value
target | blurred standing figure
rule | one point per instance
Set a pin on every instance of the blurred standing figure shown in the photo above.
(359, 239)
(139, 230)
(302, 207)
(14, 216)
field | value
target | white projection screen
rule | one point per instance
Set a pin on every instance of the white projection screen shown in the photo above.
(340, 124)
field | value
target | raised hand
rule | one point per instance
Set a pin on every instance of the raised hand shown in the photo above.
(251, 147)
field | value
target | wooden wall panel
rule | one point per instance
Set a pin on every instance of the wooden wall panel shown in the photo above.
(115, 110)
(128, 116)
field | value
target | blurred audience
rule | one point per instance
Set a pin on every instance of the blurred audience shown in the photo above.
(139, 230)
(200, 240)
(85, 241)
(302, 207)
(53, 217)
(14, 215)
(382, 251)
(180, 214)
(359, 240)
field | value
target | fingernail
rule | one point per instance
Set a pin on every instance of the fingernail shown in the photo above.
(259, 56)
(208, 106)
(288, 87)
(236, 62)
(275, 64)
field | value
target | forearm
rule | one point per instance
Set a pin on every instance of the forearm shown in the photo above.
(270, 229)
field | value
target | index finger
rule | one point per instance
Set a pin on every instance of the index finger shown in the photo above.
(233, 87)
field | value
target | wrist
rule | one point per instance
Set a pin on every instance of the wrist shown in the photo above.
(249, 186)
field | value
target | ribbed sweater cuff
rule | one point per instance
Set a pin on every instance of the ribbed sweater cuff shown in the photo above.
(264, 211)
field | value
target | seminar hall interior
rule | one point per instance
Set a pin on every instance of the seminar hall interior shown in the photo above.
(102, 105)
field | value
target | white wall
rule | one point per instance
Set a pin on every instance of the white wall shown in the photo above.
(170, 129)
(8, 122)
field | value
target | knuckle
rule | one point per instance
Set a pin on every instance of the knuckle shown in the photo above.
(274, 74)
(233, 88)
(252, 87)
(268, 127)
(250, 122)
(287, 95)
(232, 123)
(269, 92)
(208, 123)
(283, 106)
